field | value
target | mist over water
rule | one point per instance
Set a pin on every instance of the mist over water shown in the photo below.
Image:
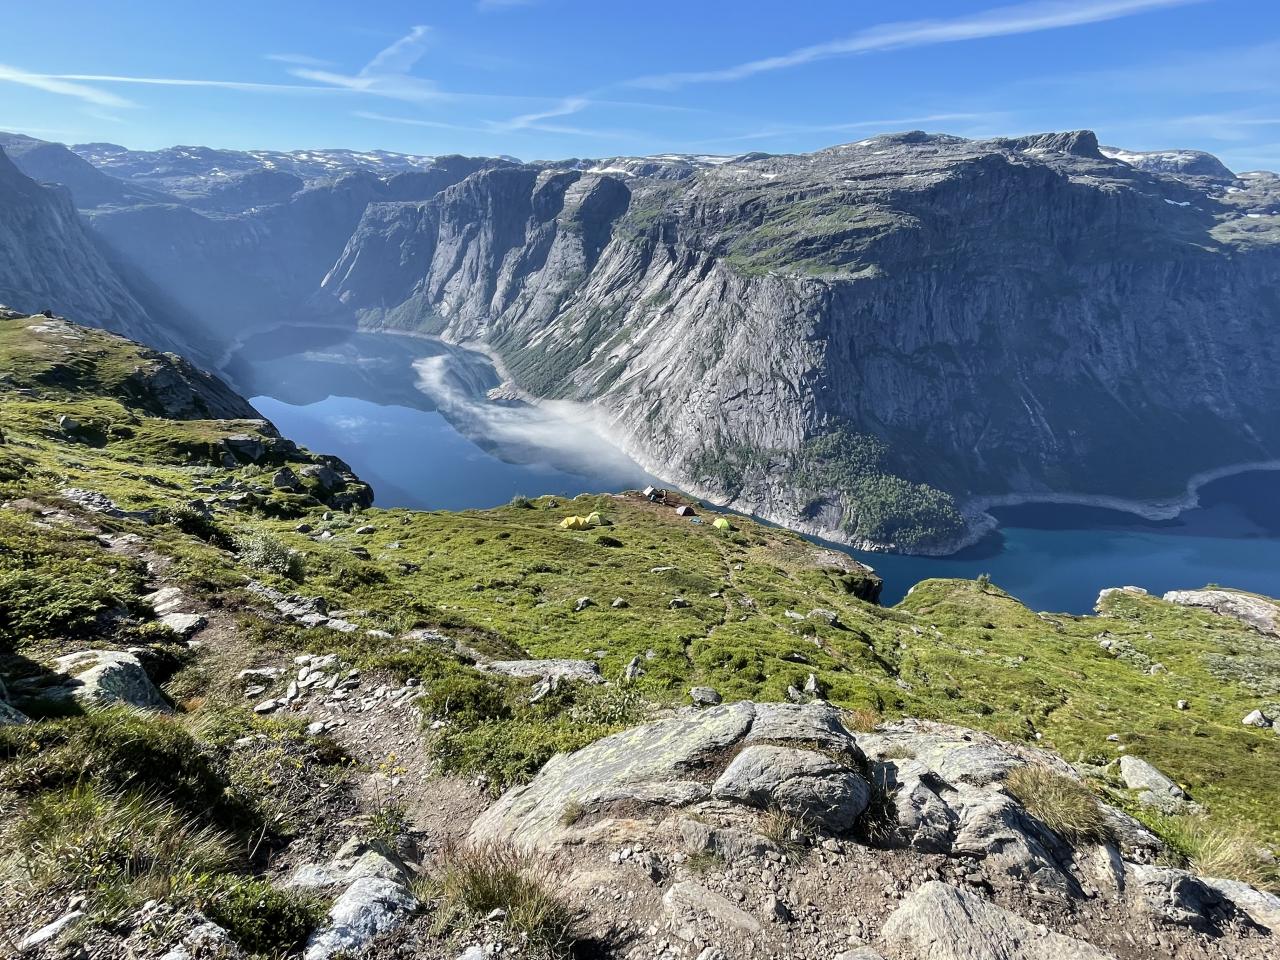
(414, 418)
(411, 415)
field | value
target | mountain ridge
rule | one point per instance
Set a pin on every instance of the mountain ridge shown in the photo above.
(909, 323)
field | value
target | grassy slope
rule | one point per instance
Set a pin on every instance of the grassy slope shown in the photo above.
(951, 650)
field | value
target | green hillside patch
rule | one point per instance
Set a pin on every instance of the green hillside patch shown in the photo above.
(750, 611)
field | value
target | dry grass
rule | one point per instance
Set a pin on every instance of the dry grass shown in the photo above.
(1062, 804)
(1235, 851)
(861, 719)
(474, 881)
(789, 832)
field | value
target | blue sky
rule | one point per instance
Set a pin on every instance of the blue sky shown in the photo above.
(561, 78)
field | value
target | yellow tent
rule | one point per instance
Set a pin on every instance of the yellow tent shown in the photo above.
(595, 520)
(720, 523)
(575, 523)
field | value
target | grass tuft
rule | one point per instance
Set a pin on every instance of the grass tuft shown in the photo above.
(1062, 804)
(475, 881)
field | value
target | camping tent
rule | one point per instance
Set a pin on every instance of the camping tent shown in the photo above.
(685, 511)
(575, 523)
(720, 523)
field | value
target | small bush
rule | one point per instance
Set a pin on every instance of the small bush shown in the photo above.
(266, 553)
(522, 502)
(464, 697)
(1062, 804)
(195, 523)
(389, 823)
(475, 881)
(259, 917)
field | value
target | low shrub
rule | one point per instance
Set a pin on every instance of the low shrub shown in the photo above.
(264, 552)
(1062, 804)
(195, 522)
(259, 916)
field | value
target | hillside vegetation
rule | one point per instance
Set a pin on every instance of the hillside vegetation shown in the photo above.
(99, 509)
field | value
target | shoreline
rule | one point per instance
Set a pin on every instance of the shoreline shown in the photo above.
(980, 522)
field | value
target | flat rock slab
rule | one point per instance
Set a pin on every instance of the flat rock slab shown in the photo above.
(674, 762)
(939, 922)
(644, 762)
(690, 906)
(579, 671)
(800, 782)
(1257, 612)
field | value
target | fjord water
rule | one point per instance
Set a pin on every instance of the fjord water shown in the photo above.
(412, 417)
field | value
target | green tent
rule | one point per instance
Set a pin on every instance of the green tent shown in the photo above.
(720, 523)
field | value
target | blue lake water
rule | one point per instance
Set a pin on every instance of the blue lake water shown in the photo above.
(412, 417)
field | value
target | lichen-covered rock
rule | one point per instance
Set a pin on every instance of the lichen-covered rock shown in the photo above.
(674, 762)
(939, 922)
(102, 678)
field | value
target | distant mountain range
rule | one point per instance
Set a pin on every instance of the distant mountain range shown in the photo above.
(861, 342)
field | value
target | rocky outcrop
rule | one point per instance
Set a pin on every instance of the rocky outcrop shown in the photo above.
(752, 754)
(1258, 612)
(744, 829)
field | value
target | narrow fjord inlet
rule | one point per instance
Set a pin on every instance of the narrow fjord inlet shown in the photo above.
(715, 487)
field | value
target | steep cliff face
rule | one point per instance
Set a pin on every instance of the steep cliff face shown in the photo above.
(815, 337)
(49, 260)
(263, 230)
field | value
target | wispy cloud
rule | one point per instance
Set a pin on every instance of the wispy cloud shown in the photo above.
(297, 59)
(997, 22)
(566, 107)
(248, 86)
(64, 86)
(387, 74)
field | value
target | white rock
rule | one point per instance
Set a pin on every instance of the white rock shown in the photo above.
(49, 931)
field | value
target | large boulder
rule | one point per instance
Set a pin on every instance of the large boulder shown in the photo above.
(939, 922)
(684, 760)
(104, 678)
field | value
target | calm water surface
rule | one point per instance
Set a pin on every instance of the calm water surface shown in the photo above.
(413, 418)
